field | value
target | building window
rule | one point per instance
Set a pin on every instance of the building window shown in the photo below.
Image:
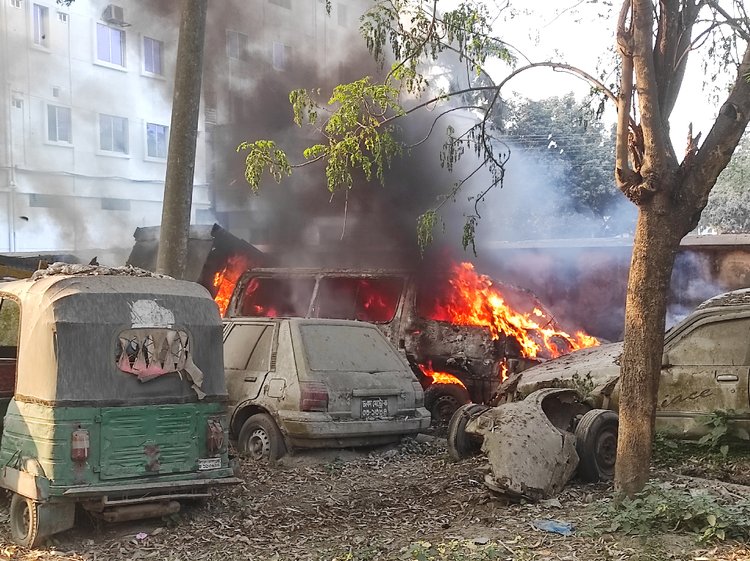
(115, 204)
(58, 124)
(40, 21)
(280, 56)
(156, 140)
(113, 134)
(236, 45)
(17, 103)
(45, 201)
(283, 3)
(152, 54)
(62, 16)
(15, 3)
(110, 44)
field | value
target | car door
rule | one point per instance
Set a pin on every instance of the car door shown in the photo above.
(248, 349)
(707, 368)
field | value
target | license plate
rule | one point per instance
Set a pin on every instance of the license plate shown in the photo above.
(209, 463)
(374, 408)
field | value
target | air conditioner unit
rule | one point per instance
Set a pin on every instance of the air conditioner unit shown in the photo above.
(114, 15)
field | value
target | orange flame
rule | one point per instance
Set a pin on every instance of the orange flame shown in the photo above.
(440, 377)
(226, 279)
(475, 300)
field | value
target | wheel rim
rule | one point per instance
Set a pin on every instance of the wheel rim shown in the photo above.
(444, 408)
(606, 451)
(259, 445)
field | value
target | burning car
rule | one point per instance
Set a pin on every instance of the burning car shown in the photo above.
(460, 330)
(705, 367)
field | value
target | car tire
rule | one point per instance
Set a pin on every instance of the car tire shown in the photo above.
(24, 521)
(596, 444)
(260, 439)
(443, 400)
(460, 444)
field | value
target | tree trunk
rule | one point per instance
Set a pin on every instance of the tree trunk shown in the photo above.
(654, 247)
(178, 186)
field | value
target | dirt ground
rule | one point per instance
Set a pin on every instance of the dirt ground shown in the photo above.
(384, 504)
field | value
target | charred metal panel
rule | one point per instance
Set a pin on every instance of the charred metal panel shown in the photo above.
(531, 455)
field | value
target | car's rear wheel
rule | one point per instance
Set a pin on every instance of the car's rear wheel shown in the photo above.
(260, 439)
(443, 400)
(460, 444)
(596, 444)
(24, 521)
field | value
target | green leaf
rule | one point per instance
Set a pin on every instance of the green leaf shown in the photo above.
(263, 155)
(711, 519)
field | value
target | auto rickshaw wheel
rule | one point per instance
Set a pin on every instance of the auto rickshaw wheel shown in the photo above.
(596, 444)
(24, 521)
(460, 444)
(260, 439)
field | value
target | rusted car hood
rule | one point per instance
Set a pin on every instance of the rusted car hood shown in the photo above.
(585, 370)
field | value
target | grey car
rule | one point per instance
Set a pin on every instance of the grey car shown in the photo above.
(314, 383)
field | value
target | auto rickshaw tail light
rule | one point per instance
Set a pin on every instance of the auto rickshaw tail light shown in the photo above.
(214, 436)
(313, 396)
(79, 445)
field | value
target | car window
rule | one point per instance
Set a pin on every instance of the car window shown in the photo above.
(713, 344)
(248, 347)
(343, 348)
(276, 297)
(364, 299)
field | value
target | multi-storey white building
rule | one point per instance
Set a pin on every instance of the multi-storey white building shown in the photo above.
(86, 103)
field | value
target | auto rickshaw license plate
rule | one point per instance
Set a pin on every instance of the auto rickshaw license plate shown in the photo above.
(209, 463)
(374, 408)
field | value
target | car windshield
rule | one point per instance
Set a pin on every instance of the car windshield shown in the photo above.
(347, 348)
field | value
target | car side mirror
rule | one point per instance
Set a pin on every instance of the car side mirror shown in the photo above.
(665, 360)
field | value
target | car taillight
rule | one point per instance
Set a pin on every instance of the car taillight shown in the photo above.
(79, 445)
(418, 394)
(214, 436)
(313, 396)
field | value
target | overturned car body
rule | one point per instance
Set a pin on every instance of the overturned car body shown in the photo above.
(534, 446)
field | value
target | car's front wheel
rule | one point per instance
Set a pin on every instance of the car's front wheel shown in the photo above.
(596, 444)
(260, 439)
(460, 444)
(25, 521)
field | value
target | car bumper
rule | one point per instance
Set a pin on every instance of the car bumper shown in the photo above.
(321, 429)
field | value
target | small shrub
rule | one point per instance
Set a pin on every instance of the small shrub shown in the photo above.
(721, 433)
(664, 508)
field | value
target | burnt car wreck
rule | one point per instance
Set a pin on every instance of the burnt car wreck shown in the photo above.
(461, 332)
(535, 446)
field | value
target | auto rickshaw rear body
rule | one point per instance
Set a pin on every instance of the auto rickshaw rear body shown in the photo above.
(119, 402)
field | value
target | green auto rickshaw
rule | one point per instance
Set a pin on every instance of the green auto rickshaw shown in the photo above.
(112, 395)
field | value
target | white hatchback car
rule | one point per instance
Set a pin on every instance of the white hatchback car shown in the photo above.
(314, 383)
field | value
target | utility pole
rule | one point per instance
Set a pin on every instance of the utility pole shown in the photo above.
(178, 185)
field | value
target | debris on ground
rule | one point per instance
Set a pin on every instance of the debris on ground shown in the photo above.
(387, 504)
